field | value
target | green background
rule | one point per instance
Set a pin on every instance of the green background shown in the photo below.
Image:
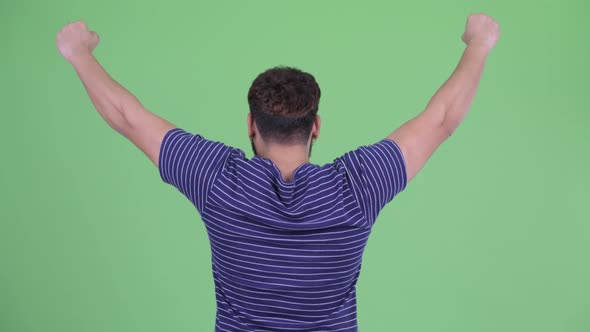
(492, 235)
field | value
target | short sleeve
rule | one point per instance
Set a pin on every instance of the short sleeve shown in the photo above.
(190, 163)
(376, 174)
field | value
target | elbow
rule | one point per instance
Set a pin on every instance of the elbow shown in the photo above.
(119, 123)
(449, 127)
(451, 122)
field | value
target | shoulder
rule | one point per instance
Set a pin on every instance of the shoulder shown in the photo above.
(180, 138)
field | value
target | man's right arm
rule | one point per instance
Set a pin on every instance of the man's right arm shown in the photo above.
(422, 135)
(115, 104)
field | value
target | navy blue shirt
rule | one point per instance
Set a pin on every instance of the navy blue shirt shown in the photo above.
(286, 256)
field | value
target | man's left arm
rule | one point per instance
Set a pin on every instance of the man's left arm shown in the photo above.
(116, 105)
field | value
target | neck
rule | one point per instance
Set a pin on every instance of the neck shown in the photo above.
(286, 157)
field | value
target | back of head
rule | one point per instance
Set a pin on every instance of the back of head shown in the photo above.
(283, 102)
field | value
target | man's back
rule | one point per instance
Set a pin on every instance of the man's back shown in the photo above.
(285, 255)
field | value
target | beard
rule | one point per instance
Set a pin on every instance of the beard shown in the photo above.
(253, 147)
(255, 153)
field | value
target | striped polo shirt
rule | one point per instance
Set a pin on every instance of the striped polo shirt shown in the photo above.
(286, 256)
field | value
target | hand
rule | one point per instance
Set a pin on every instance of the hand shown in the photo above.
(481, 31)
(75, 41)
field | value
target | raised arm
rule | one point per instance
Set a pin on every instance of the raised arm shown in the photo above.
(422, 135)
(117, 106)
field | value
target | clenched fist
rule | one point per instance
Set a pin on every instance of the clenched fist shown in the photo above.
(481, 31)
(74, 41)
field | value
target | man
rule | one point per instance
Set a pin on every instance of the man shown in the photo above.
(286, 235)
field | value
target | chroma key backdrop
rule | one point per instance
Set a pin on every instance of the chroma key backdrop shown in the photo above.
(492, 235)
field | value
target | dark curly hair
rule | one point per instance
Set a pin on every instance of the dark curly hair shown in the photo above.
(283, 102)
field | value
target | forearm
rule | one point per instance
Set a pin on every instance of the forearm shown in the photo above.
(108, 97)
(455, 96)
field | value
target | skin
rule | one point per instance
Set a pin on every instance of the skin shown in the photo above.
(418, 138)
(286, 157)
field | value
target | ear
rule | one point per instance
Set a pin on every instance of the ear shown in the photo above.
(315, 129)
(251, 125)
